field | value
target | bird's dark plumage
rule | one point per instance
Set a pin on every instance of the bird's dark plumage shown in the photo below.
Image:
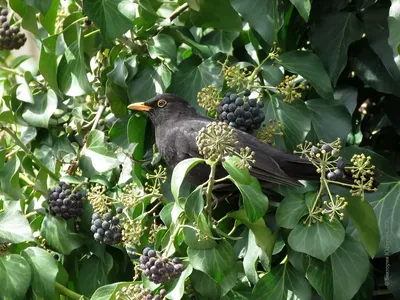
(177, 125)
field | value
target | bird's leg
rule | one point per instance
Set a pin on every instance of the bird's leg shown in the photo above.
(218, 200)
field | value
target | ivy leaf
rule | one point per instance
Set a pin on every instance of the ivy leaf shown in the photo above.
(71, 72)
(342, 274)
(180, 172)
(220, 41)
(58, 236)
(117, 98)
(191, 78)
(97, 158)
(93, 273)
(324, 113)
(304, 8)
(176, 291)
(394, 28)
(9, 179)
(48, 59)
(193, 4)
(210, 288)
(149, 82)
(43, 279)
(15, 276)
(24, 93)
(250, 259)
(113, 17)
(42, 5)
(14, 227)
(263, 15)
(309, 66)
(215, 262)
(318, 240)
(291, 210)
(39, 113)
(239, 175)
(194, 204)
(209, 15)
(282, 282)
(331, 37)
(162, 46)
(119, 74)
(363, 217)
(109, 291)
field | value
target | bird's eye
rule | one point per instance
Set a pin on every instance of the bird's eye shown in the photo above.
(161, 103)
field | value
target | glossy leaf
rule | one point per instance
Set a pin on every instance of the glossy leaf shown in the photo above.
(39, 113)
(180, 172)
(15, 275)
(14, 227)
(194, 204)
(291, 210)
(9, 179)
(304, 8)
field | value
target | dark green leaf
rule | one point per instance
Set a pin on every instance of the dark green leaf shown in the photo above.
(162, 46)
(15, 276)
(119, 74)
(291, 210)
(210, 14)
(215, 262)
(272, 75)
(48, 60)
(263, 15)
(113, 17)
(331, 37)
(318, 240)
(180, 172)
(194, 204)
(342, 274)
(42, 5)
(136, 135)
(14, 227)
(177, 291)
(39, 113)
(281, 283)
(58, 236)
(304, 8)
(308, 65)
(237, 174)
(49, 20)
(9, 179)
(347, 95)
(118, 99)
(44, 271)
(193, 4)
(394, 29)
(220, 41)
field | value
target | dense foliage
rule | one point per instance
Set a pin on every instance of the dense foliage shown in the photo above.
(88, 208)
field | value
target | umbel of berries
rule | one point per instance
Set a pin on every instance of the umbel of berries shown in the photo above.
(160, 270)
(105, 229)
(10, 37)
(65, 203)
(241, 112)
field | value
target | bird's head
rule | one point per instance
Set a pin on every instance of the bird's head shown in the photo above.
(164, 107)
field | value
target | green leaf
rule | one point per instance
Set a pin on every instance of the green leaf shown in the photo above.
(308, 65)
(24, 94)
(176, 292)
(263, 15)
(304, 8)
(220, 41)
(291, 210)
(113, 17)
(255, 202)
(14, 227)
(149, 82)
(331, 37)
(363, 217)
(342, 274)
(97, 158)
(119, 74)
(215, 262)
(58, 236)
(282, 282)
(9, 179)
(15, 276)
(49, 20)
(71, 72)
(324, 113)
(294, 118)
(194, 204)
(180, 172)
(210, 288)
(137, 134)
(251, 257)
(318, 240)
(93, 273)
(44, 271)
(385, 202)
(241, 176)
(118, 99)
(191, 78)
(263, 235)
(39, 113)
(42, 5)
(210, 14)
(48, 60)
(109, 291)
(162, 46)
(394, 28)
(193, 4)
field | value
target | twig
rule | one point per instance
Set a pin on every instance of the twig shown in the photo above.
(91, 33)
(210, 186)
(11, 71)
(31, 214)
(178, 11)
(67, 292)
(28, 152)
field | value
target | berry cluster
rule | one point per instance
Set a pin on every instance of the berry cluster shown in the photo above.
(241, 112)
(139, 292)
(65, 203)
(106, 229)
(338, 172)
(10, 38)
(160, 270)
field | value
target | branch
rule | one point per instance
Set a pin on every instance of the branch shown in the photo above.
(28, 152)
(178, 11)
(67, 292)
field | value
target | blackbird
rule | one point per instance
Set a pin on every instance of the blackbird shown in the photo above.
(177, 124)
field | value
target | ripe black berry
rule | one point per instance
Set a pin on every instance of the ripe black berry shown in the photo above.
(6, 25)
(247, 93)
(104, 231)
(61, 205)
(119, 210)
(331, 176)
(326, 147)
(4, 12)
(338, 173)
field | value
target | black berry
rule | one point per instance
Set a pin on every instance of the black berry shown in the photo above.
(104, 231)
(61, 204)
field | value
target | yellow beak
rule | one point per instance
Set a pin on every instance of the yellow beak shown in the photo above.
(139, 106)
